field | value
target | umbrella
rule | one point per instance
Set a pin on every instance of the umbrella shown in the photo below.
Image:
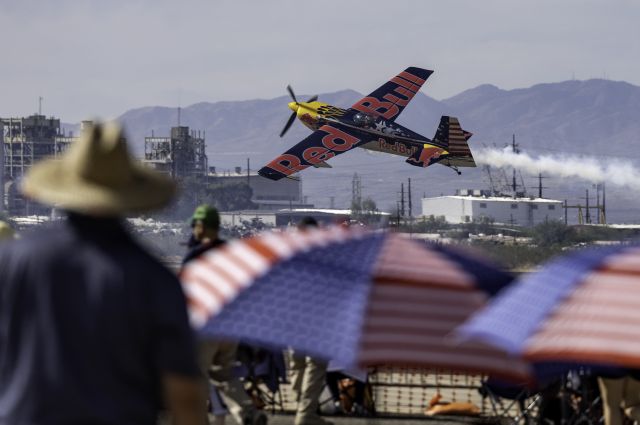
(358, 298)
(580, 309)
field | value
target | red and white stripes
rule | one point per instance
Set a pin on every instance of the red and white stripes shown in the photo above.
(217, 277)
(599, 320)
(418, 299)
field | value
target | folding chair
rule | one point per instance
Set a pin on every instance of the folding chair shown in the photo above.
(262, 371)
(515, 404)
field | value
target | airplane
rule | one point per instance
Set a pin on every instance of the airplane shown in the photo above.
(370, 124)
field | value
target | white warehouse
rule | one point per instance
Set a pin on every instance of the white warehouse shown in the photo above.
(468, 206)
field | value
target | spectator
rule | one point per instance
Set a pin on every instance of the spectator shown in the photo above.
(620, 396)
(309, 374)
(6, 231)
(205, 232)
(347, 393)
(217, 357)
(93, 330)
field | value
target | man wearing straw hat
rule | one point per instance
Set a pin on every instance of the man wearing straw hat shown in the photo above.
(93, 330)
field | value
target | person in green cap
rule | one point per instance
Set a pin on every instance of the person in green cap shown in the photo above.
(205, 228)
(217, 357)
(6, 231)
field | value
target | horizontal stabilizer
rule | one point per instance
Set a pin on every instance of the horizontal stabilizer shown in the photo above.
(426, 156)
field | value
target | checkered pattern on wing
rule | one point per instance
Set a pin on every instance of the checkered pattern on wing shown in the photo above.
(331, 111)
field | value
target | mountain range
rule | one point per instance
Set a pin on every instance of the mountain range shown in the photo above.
(598, 118)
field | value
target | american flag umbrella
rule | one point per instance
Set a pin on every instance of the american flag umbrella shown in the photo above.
(355, 297)
(580, 309)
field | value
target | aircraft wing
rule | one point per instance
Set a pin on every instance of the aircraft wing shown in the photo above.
(392, 97)
(321, 145)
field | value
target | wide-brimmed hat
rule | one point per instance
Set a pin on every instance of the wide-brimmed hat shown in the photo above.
(97, 176)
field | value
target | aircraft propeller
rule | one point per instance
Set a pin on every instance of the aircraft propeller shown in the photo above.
(292, 118)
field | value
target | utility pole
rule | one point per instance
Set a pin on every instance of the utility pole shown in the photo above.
(540, 187)
(513, 147)
(587, 215)
(598, 202)
(332, 203)
(248, 175)
(604, 204)
(409, 195)
(600, 206)
(402, 198)
(39, 105)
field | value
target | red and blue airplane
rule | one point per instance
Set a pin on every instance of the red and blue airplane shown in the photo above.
(370, 124)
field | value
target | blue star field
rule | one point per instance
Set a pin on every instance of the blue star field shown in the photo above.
(314, 302)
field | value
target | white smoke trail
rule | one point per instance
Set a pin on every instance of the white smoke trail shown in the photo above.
(596, 170)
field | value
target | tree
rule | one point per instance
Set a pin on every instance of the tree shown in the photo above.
(194, 191)
(230, 197)
(552, 233)
(369, 205)
(366, 212)
(431, 224)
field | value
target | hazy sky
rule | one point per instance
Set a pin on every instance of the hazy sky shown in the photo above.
(100, 58)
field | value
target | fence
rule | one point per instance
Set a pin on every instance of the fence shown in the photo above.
(407, 392)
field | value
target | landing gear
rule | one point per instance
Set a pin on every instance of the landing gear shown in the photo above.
(454, 168)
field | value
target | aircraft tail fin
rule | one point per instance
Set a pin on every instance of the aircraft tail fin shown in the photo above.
(451, 134)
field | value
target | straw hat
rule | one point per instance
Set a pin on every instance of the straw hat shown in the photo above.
(97, 176)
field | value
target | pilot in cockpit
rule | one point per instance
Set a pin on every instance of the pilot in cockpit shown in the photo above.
(364, 120)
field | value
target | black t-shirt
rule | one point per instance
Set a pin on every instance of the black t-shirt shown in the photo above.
(197, 249)
(89, 323)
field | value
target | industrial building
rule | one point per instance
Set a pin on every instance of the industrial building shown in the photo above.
(472, 205)
(181, 155)
(289, 217)
(25, 141)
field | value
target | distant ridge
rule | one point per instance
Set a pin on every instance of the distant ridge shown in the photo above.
(593, 117)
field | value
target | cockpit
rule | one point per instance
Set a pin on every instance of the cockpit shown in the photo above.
(364, 120)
